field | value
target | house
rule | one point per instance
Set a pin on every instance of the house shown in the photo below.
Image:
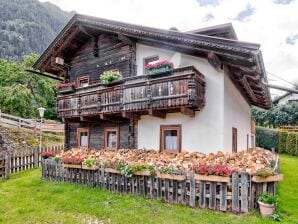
(202, 103)
(288, 97)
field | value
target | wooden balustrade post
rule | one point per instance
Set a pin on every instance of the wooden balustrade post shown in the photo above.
(7, 166)
(35, 158)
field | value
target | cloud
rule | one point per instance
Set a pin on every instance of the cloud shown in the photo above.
(292, 39)
(208, 2)
(284, 2)
(268, 22)
(247, 12)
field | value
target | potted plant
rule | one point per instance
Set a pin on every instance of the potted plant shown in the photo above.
(46, 155)
(159, 66)
(109, 77)
(90, 164)
(73, 162)
(218, 173)
(267, 203)
(266, 174)
(170, 173)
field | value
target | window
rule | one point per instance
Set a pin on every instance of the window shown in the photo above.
(147, 60)
(83, 137)
(111, 138)
(234, 139)
(252, 141)
(170, 138)
(83, 81)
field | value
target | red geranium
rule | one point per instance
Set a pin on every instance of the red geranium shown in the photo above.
(159, 64)
(218, 170)
(77, 161)
(48, 154)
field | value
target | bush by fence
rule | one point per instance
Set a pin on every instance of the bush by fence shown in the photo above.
(282, 141)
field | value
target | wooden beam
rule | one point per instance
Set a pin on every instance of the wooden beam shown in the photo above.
(125, 39)
(130, 115)
(105, 117)
(187, 111)
(156, 113)
(51, 76)
(214, 61)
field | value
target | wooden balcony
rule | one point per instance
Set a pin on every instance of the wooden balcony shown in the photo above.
(181, 89)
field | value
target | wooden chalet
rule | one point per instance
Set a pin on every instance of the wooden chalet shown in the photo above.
(201, 104)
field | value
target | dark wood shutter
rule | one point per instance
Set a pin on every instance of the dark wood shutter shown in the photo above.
(234, 139)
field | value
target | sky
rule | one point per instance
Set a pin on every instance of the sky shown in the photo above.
(271, 23)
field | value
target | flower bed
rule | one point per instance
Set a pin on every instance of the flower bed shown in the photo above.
(46, 155)
(222, 164)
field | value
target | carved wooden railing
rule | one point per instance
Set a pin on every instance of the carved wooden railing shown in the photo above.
(181, 87)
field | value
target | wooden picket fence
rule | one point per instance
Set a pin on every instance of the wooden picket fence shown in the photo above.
(11, 162)
(237, 195)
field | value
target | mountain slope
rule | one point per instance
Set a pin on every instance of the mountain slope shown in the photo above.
(28, 26)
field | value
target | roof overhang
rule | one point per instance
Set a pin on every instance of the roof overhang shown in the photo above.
(243, 59)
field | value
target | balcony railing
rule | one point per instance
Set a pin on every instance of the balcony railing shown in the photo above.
(170, 90)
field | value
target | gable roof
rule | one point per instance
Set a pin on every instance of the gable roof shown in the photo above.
(242, 59)
(223, 30)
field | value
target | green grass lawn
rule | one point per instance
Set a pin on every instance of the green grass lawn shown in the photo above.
(25, 198)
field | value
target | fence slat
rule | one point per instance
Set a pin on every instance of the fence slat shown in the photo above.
(235, 192)
(244, 191)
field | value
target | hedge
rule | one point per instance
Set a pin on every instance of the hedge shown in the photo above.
(282, 141)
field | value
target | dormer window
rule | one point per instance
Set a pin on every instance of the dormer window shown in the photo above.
(83, 81)
(149, 59)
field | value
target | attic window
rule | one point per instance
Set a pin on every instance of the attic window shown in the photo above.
(149, 59)
(83, 81)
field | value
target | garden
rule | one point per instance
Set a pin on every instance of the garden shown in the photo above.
(55, 202)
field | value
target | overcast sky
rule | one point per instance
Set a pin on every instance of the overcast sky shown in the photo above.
(272, 23)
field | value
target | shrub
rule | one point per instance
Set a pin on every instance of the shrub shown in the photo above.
(266, 138)
(292, 143)
(282, 141)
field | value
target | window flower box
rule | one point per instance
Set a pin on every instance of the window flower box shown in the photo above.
(66, 87)
(46, 155)
(94, 167)
(212, 178)
(274, 178)
(170, 176)
(73, 163)
(76, 166)
(143, 173)
(159, 66)
(111, 170)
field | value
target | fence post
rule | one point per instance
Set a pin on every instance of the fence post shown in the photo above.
(35, 159)
(192, 190)
(7, 166)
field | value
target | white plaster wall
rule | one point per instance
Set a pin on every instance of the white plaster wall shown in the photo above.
(236, 114)
(204, 132)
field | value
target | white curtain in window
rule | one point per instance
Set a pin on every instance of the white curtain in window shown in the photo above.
(112, 140)
(171, 142)
(84, 140)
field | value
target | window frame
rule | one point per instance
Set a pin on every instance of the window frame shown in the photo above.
(110, 129)
(146, 58)
(234, 140)
(82, 78)
(176, 127)
(79, 131)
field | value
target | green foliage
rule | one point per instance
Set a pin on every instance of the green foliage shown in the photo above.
(265, 172)
(291, 144)
(282, 141)
(90, 162)
(109, 76)
(267, 198)
(28, 26)
(22, 93)
(170, 170)
(266, 138)
(286, 114)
